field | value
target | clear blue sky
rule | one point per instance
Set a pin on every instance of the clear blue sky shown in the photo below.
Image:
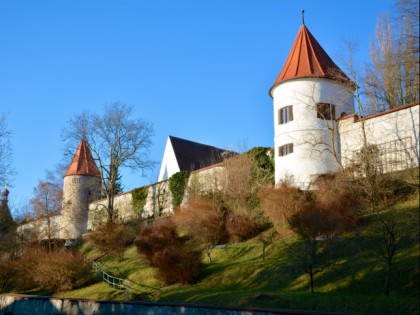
(199, 70)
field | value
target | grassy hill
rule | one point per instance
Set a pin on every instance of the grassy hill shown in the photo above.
(239, 276)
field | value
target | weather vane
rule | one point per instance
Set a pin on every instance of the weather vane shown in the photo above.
(303, 17)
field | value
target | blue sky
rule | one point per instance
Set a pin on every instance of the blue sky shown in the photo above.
(199, 70)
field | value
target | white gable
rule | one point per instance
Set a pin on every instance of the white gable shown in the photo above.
(169, 164)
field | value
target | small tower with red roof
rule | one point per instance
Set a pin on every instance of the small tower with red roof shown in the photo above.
(82, 185)
(309, 94)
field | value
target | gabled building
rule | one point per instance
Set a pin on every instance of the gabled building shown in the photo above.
(186, 155)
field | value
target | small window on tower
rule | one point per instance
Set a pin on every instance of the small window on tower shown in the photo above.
(325, 111)
(285, 114)
(286, 149)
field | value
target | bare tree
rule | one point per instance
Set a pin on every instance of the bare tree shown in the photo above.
(319, 229)
(392, 77)
(266, 239)
(116, 140)
(364, 171)
(46, 203)
(378, 193)
(6, 152)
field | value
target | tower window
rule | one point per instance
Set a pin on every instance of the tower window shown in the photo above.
(286, 149)
(285, 114)
(325, 111)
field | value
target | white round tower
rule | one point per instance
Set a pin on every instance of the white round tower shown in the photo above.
(309, 94)
(82, 185)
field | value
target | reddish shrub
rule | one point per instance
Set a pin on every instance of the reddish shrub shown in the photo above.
(56, 271)
(7, 274)
(175, 258)
(205, 221)
(242, 226)
(62, 270)
(110, 238)
(281, 203)
(26, 265)
(178, 264)
(334, 194)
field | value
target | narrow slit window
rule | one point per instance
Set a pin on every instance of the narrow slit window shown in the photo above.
(285, 114)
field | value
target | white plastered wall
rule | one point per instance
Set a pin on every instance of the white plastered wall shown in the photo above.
(396, 133)
(169, 163)
(312, 137)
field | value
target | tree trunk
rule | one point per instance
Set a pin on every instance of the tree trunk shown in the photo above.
(388, 277)
(311, 276)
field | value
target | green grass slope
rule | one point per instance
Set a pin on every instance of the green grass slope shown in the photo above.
(238, 276)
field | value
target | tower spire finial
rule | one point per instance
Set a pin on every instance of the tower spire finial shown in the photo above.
(303, 17)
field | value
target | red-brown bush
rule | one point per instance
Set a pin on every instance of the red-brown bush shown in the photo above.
(110, 239)
(242, 226)
(279, 204)
(205, 221)
(175, 258)
(334, 194)
(7, 274)
(56, 271)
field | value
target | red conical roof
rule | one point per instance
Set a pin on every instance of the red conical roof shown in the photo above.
(308, 59)
(83, 163)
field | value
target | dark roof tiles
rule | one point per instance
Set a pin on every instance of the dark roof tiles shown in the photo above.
(192, 155)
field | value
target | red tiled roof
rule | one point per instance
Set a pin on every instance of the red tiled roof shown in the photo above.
(83, 163)
(308, 59)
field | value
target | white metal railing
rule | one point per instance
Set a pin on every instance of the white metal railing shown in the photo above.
(115, 282)
(119, 283)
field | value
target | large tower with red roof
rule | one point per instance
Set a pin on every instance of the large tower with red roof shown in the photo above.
(82, 185)
(309, 94)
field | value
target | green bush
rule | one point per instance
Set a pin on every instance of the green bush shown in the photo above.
(177, 184)
(139, 199)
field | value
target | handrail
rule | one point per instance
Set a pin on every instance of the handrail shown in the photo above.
(118, 283)
(115, 282)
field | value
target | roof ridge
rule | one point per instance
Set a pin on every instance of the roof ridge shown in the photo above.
(83, 162)
(307, 58)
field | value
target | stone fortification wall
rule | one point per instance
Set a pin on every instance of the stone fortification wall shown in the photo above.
(208, 180)
(78, 192)
(158, 203)
(395, 133)
(41, 229)
(159, 198)
(98, 210)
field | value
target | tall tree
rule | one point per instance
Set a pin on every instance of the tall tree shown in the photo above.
(392, 77)
(46, 204)
(116, 140)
